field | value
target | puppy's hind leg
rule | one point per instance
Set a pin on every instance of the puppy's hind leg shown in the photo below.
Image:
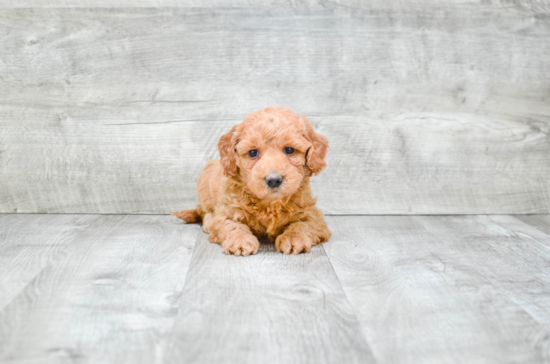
(190, 216)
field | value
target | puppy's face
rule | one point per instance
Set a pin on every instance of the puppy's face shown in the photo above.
(272, 150)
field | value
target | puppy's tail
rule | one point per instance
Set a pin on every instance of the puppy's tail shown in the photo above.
(190, 216)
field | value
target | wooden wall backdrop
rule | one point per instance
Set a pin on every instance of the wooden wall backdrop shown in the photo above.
(436, 107)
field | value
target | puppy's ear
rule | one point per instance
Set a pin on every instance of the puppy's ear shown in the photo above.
(226, 147)
(315, 157)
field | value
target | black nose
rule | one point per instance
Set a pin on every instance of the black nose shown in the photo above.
(274, 180)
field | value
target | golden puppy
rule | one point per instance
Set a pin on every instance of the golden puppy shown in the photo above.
(260, 185)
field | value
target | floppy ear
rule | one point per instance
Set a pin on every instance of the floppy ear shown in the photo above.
(226, 147)
(315, 156)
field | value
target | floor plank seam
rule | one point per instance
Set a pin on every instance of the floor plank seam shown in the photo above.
(349, 302)
(170, 335)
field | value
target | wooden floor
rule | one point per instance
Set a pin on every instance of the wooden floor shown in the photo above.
(385, 289)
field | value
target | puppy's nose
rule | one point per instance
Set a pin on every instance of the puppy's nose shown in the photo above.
(274, 180)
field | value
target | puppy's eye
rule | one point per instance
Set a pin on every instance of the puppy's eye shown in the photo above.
(253, 153)
(289, 150)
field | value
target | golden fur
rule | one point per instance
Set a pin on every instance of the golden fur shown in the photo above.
(237, 206)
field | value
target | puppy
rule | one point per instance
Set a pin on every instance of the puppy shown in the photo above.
(260, 185)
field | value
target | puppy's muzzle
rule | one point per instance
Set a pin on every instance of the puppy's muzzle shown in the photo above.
(273, 180)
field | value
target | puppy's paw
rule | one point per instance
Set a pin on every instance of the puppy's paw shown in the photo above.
(293, 244)
(241, 244)
(189, 216)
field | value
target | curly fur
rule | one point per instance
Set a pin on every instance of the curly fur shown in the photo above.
(236, 205)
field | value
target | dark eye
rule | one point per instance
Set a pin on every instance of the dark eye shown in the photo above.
(289, 150)
(253, 153)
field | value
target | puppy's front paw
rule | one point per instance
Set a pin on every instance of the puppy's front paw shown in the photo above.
(189, 216)
(293, 244)
(241, 244)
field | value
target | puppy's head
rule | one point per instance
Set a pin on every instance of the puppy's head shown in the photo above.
(271, 151)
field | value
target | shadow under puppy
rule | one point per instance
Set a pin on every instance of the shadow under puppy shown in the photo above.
(260, 185)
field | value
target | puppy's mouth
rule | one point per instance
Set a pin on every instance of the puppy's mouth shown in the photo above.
(274, 194)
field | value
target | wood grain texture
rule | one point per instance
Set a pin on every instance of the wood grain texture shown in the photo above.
(511, 256)
(388, 289)
(541, 222)
(112, 298)
(444, 289)
(525, 252)
(538, 6)
(266, 308)
(28, 243)
(434, 109)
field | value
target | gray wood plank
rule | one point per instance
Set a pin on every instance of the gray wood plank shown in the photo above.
(266, 308)
(541, 222)
(111, 297)
(426, 289)
(28, 243)
(535, 6)
(511, 256)
(117, 110)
